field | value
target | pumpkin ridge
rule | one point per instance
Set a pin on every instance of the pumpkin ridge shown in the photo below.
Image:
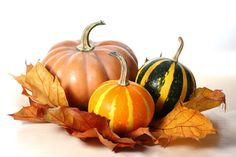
(68, 62)
(130, 120)
(120, 44)
(59, 50)
(105, 108)
(112, 111)
(107, 66)
(120, 48)
(148, 118)
(65, 44)
(102, 97)
(128, 57)
(101, 63)
(54, 64)
(85, 73)
(47, 61)
(98, 90)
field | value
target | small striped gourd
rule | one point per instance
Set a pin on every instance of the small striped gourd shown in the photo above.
(126, 104)
(168, 81)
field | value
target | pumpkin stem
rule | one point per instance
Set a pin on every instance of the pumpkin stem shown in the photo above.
(85, 45)
(176, 57)
(123, 81)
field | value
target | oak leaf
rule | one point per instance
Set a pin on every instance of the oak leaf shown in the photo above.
(43, 86)
(204, 99)
(183, 122)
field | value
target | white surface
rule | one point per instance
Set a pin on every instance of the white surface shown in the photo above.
(29, 28)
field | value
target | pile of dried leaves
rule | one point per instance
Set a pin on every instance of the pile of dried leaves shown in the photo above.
(48, 103)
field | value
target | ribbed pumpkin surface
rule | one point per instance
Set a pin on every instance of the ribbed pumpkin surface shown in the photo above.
(127, 107)
(167, 81)
(83, 65)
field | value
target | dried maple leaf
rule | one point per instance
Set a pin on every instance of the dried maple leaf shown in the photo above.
(204, 99)
(44, 87)
(28, 66)
(32, 113)
(183, 122)
(87, 125)
(113, 145)
(48, 104)
(143, 136)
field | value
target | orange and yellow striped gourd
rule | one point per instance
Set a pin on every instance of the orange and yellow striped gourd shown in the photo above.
(126, 104)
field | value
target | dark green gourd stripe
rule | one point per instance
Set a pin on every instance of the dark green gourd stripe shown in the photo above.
(190, 83)
(156, 79)
(144, 69)
(174, 92)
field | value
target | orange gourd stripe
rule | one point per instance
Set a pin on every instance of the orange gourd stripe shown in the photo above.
(117, 102)
(145, 103)
(102, 97)
(112, 112)
(130, 111)
(120, 119)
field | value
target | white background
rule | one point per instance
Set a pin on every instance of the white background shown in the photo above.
(28, 29)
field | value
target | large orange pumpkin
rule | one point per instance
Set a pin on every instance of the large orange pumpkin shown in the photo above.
(127, 104)
(82, 66)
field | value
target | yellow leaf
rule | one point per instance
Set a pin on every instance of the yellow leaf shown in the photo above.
(45, 88)
(183, 122)
(204, 99)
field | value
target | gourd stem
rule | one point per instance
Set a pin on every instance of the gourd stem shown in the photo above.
(85, 45)
(123, 81)
(176, 57)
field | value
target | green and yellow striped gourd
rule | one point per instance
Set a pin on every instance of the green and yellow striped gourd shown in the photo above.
(168, 81)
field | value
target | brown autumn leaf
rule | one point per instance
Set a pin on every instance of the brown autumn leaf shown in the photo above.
(46, 94)
(87, 125)
(78, 123)
(94, 133)
(204, 99)
(143, 136)
(21, 79)
(43, 86)
(183, 122)
(33, 113)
